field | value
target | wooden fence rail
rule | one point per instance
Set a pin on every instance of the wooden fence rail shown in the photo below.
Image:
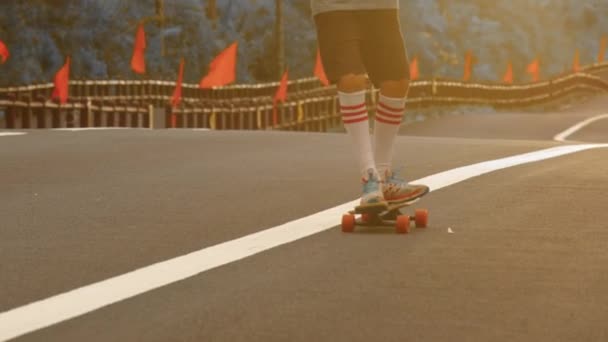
(311, 107)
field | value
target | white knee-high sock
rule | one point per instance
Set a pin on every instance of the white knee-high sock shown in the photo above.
(389, 115)
(353, 109)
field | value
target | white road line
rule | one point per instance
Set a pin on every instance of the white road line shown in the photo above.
(450, 177)
(78, 129)
(565, 134)
(10, 134)
(46, 312)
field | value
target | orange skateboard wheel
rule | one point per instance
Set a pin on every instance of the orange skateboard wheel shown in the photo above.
(402, 225)
(348, 223)
(421, 217)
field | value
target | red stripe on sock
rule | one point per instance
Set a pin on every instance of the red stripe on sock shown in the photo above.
(354, 120)
(393, 109)
(352, 107)
(355, 113)
(388, 121)
(389, 115)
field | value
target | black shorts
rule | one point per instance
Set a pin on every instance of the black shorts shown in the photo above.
(360, 42)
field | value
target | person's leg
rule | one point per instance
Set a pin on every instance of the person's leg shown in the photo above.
(339, 38)
(353, 108)
(389, 114)
(386, 60)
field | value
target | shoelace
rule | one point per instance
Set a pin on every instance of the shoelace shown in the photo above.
(371, 184)
(394, 175)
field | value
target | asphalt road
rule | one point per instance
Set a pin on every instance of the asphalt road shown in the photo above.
(516, 254)
(531, 125)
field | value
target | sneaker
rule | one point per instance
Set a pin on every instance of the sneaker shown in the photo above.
(397, 190)
(372, 198)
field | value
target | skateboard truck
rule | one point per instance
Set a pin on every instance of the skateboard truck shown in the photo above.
(387, 217)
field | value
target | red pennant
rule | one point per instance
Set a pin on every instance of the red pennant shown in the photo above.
(4, 54)
(508, 77)
(468, 66)
(222, 70)
(320, 71)
(62, 79)
(177, 92)
(138, 61)
(602, 53)
(576, 67)
(414, 69)
(280, 95)
(534, 70)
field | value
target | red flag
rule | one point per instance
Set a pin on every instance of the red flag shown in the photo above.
(414, 69)
(222, 70)
(534, 70)
(576, 66)
(62, 79)
(508, 77)
(280, 95)
(320, 71)
(138, 61)
(3, 52)
(602, 53)
(468, 66)
(177, 93)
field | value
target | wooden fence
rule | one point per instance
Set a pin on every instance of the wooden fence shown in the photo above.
(311, 107)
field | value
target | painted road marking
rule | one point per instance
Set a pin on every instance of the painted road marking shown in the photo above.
(10, 134)
(78, 129)
(61, 307)
(565, 134)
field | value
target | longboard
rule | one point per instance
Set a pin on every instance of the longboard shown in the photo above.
(390, 215)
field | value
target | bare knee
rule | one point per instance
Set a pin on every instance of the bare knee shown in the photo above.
(397, 88)
(352, 83)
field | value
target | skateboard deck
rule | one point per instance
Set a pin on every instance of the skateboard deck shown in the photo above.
(386, 216)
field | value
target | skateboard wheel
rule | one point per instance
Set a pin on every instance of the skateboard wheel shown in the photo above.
(403, 224)
(421, 217)
(348, 223)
